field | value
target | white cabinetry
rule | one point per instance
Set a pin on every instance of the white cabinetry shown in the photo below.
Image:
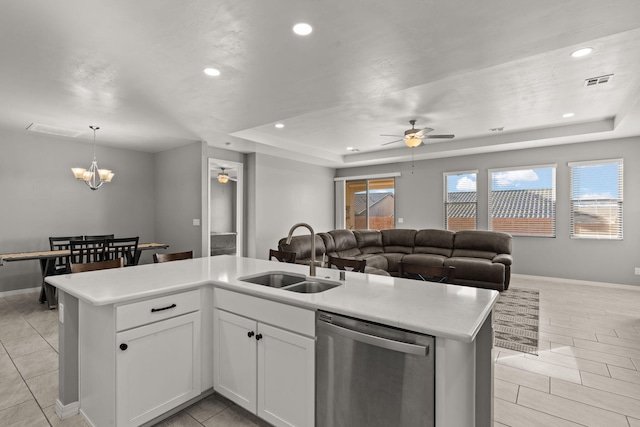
(139, 360)
(264, 357)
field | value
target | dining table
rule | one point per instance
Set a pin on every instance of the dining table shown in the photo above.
(46, 258)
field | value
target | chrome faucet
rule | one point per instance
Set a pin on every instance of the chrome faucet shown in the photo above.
(312, 265)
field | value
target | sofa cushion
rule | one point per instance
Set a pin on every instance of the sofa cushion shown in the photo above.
(438, 242)
(392, 260)
(369, 241)
(345, 243)
(301, 245)
(398, 241)
(484, 242)
(476, 270)
(426, 260)
(374, 260)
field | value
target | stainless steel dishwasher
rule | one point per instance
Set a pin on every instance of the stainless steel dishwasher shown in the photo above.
(372, 375)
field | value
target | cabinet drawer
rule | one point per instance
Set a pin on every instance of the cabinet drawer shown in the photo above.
(285, 316)
(149, 311)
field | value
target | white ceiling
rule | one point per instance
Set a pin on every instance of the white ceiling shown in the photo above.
(459, 66)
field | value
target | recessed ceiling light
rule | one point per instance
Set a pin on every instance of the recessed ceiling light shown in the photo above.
(302, 29)
(279, 125)
(567, 115)
(582, 52)
(212, 72)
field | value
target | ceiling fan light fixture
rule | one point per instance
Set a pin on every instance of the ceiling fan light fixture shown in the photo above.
(223, 177)
(412, 141)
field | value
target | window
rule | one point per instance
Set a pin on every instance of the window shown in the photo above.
(522, 201)
(460, 201)
(370, 204)
(596, 199)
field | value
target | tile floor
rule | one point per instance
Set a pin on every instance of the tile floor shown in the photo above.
(587, 372)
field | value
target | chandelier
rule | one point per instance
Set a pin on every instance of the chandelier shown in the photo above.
(93, 177)
(223, 177)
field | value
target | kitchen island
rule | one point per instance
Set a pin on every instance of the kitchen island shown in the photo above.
(102, 313)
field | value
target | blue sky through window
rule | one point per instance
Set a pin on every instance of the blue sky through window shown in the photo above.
(596, 181)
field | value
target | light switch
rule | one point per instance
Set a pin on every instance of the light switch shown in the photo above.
(196, 222)
(400, 220)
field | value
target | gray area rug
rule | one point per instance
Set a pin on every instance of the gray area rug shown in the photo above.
(515, 320)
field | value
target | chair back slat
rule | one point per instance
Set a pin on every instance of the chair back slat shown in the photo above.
(282, 256)
(123, 247)
(83, 251)
(344, 264)
(99, 265)
(98, 237)
(61, 262)
(172, 257)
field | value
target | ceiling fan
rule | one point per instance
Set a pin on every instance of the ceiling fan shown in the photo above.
(224, 177)
(413, 137)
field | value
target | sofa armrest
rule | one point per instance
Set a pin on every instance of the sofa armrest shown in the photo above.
(505, 259)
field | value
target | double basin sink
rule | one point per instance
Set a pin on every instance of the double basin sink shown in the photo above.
(290, 282)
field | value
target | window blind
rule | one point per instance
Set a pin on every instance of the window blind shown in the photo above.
(596, 199)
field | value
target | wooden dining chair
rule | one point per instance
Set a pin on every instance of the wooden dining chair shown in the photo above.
(282, 256)
(123, 247)
(426, 273)
(357, 265)
(60, 264)
(172, 257)
(83, 251)
(99, 265)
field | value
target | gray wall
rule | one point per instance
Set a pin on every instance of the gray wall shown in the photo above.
(41, 198)
(286, 192)
(178, 198)
(419, 202)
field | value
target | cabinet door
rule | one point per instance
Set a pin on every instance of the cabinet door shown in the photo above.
(286, 377)
(234, 366)
(157, 368)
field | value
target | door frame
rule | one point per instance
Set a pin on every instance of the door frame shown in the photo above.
(213, 167)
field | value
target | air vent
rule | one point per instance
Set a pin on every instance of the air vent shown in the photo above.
(593, 81)
(52, 130)
(497, 129)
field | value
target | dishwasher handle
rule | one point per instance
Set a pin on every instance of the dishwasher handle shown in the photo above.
(403, 347)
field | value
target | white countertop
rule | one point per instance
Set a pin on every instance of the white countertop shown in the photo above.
(447, 311)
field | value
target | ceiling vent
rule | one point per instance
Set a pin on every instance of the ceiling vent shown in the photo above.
(593, 81)
(52, 130)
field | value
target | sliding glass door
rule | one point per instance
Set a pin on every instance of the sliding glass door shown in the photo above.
(370, 204)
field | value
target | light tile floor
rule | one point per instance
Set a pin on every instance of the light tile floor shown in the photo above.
(587, 372)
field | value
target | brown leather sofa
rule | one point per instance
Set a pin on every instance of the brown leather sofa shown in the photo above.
(481, 258)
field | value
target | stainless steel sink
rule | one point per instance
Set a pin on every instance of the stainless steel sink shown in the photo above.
(274, 279)
(290, 282)
(312, 286)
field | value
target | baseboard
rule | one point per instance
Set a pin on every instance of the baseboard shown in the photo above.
(19, 291)
(67, 411)
(576, 282)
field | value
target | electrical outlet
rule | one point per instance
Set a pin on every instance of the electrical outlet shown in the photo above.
(637, 271)
(400, 220)
(196, 222)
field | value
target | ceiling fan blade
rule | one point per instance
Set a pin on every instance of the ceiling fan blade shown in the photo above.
(439, 136)
(424, 131)
(392, 142)
(398, 136)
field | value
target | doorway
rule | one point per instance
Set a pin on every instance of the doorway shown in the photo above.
(225, 210)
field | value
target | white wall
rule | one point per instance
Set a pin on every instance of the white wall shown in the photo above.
(286, 192)
(41, 198)
(419, 201)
